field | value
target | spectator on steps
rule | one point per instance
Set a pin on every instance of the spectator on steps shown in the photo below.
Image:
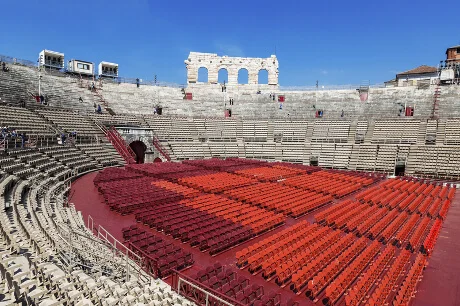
(42, 99)
(137, 82)
(93, 88)
(99, 110)
(63, 138)
(341, 115)
(81, 100)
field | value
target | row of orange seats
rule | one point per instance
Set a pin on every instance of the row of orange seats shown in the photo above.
(430, 240)
(269, 173)
(444, 208)
(378, 227)
(185, 191)
(391, 229)
(402, 234)
(388, 282)
(371, 220)
(256, 260)
(292, 265)
(412, 207)
(353, 223)
(324, 277)
(352, 211)
(343, 176)
(269, 266)
(243, 255)
(216, 182)
(280, 198)
(332, 209)
(418, 234)
(301, 278)
(351, 272)
(358, 292)
(360, 196)
(323, 184)
(258, 219)
(407, 289)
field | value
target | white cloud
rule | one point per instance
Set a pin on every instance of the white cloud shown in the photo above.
(229, 49)
(325, 72)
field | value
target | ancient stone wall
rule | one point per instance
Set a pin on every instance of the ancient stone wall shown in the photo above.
(213, 63)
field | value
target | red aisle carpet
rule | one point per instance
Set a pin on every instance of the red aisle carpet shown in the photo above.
(441, 280)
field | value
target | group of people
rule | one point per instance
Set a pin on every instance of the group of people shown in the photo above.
(72, 135)
(10, 134)
(97, 108)
(5, 68)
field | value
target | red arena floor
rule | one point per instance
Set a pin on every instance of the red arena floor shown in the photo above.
(261, 202)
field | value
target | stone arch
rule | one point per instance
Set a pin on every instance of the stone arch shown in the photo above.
(262, 76)
(203, 74)
(213, 63)
(243, 75)
(222, 75)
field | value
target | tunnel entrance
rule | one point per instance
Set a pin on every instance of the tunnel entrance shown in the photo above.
(139, 149)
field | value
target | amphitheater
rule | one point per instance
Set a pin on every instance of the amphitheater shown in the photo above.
(269, 206)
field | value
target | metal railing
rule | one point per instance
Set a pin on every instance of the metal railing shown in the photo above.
(199, 293)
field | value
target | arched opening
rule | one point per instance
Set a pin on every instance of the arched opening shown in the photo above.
(243, 76)
(222, 76)
(157, 160)
(203, 75)
(139, 149)
(263, 76)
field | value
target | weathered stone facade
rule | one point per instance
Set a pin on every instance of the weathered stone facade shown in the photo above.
(214, 63)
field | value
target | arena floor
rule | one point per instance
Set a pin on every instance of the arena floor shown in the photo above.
(441, 279)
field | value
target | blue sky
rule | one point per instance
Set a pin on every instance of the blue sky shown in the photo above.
(335, 42)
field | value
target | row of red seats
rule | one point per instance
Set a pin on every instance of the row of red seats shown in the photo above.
(255, 261)
(418, 234)
(243, 255)
(217, 182)
(350, 176)
(351, 272)
(178, 175)
(353, 223)
(320, 217)
(388, 282)
(207, 231)
(361, 195)
(166, 255)
(289, 200)
(302, 276)
(358, 292)
(402, 234)
(391, 229)
(185, 191)
(444, 208)
(341, 218)
(324, 277)
(378, 227)
(324, 185)
(269, 174)
(407, 289)
(313, 244)
(260, 220)
(300, 259)
(114, 174)
(413, 206)
(125, 196)
(371, 220)
(157, 169)
(430, 240)
(228, 282)
(222, 164)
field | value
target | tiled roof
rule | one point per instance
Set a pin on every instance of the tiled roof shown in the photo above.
(419, 70)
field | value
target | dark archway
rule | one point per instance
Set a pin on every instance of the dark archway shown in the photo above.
(139, 149)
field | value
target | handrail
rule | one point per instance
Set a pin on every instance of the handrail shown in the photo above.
(204, 296)
(157, 144)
